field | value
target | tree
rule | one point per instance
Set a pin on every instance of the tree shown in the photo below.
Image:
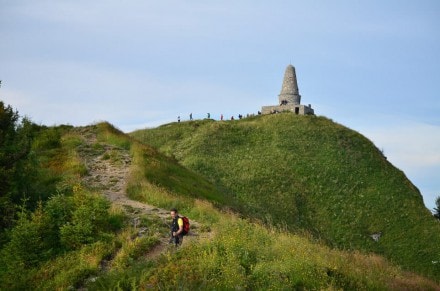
(8, 125)
(437, 209)
(15, 142)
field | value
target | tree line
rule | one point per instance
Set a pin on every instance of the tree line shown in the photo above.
(45, 211)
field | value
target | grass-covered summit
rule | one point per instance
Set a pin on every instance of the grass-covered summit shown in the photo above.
(307, 173)
(79, 227)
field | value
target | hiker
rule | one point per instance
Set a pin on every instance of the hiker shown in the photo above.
(178, 118)
(209, 115)
(191, 116)
(176, 228)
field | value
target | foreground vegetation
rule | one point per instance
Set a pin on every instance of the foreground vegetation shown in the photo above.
(244, 255)
(57, 232)
(62, 234)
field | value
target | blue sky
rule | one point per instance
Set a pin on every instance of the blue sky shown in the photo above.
(372, 66)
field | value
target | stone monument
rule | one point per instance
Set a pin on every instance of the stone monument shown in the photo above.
(289, 98)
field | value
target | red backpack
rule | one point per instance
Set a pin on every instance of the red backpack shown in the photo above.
(185, 225)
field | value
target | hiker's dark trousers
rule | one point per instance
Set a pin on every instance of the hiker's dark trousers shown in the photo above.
(177, 240)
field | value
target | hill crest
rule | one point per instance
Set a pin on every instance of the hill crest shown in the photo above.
(309, 173)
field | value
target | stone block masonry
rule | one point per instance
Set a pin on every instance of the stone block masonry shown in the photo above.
(289, 98)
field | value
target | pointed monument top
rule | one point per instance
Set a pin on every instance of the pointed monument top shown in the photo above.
(289, 90)
(289, 98)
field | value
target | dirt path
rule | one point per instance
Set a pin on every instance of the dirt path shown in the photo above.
(108, 169)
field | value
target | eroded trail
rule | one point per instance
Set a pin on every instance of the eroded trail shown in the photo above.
(108, 168)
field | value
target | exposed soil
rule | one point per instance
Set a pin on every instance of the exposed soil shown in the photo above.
(108, 169)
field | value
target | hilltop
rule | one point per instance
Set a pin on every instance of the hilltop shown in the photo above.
(309, 174)
(95, 216)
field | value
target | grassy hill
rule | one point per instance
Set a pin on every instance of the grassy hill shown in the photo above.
(307, 173)
(74, 238)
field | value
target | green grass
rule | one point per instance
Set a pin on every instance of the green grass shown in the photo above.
(307, 173)
(167, 173)
(71, 270)
(62, 244)
(247, 256)
(271, 242)
(106, 132)
(239, 254)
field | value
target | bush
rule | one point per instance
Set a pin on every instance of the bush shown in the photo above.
(15, 141)
(437, 209)
(65, 223)
(90, 220)
(26, 247)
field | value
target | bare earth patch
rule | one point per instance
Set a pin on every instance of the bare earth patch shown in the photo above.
(108, 169)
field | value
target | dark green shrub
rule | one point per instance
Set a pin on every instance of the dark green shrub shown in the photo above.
(90, 220)
(29, 245)
(59, 211)
(116, 221)
(437, 209)
(15, 140)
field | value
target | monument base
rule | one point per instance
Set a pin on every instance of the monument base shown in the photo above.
(296, 109)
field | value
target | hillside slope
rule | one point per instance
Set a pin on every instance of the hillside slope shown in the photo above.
(89, 233)
(309, 173)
